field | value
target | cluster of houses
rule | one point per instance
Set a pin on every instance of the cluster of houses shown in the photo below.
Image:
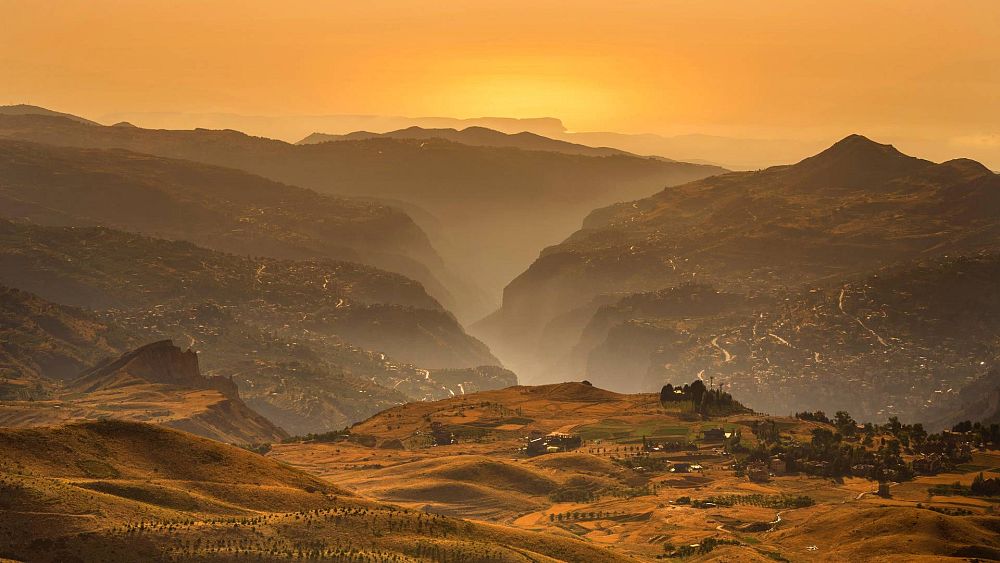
(930, 464)
(761, 472)
(554, 442)
(441, 435)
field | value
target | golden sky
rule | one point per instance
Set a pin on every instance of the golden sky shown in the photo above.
(918, 69)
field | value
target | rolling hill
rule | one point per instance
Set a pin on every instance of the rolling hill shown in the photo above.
(648, 479)
(120, 491)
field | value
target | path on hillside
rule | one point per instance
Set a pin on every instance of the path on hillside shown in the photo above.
(780, 339)
(727, 356)
(840, 304)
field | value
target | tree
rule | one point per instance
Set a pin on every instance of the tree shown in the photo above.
(666, 393)
(697, 391)
(845, 424)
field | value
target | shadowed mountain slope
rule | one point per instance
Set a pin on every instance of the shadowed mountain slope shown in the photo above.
(224, 209)
(903, 341)
(476, 193)
(105, 269)
(42, 341)
(304, 381)
(853, 208)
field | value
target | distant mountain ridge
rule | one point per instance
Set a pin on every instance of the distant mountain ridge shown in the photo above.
(475, 136)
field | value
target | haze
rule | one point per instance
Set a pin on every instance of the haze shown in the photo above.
(798, 72)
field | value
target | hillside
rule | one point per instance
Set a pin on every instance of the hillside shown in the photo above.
(156, 382)
(27, 109)
(39, 339)
(903, 341)
(223, 209)
(304, 382)
(312, 345)
(849, 210)
(86, 267)
(476, 193)
(117, 491)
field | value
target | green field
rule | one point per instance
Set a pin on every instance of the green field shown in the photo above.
(620, 431)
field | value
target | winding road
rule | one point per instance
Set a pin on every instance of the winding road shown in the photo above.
(840, 304)
(727, 356)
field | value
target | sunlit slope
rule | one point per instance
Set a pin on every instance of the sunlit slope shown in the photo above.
(120, 491)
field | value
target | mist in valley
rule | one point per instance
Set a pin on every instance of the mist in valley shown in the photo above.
(524, 282)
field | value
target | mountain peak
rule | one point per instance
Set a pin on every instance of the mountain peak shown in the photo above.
(855, 145)
(855, 161)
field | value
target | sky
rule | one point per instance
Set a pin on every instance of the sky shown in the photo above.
(917, 71)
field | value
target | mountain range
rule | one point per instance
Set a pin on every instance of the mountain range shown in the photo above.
(467, 198)
(474, 136)
(764, 237)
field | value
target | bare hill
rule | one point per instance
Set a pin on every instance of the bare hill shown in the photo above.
(117, 491)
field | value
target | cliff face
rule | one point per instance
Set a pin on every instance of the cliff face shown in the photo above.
(166, 380)
(159, 362)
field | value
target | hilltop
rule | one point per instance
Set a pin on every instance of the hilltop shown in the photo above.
(119, 491)
(27, 109)
(852, 209)
(472, 194)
